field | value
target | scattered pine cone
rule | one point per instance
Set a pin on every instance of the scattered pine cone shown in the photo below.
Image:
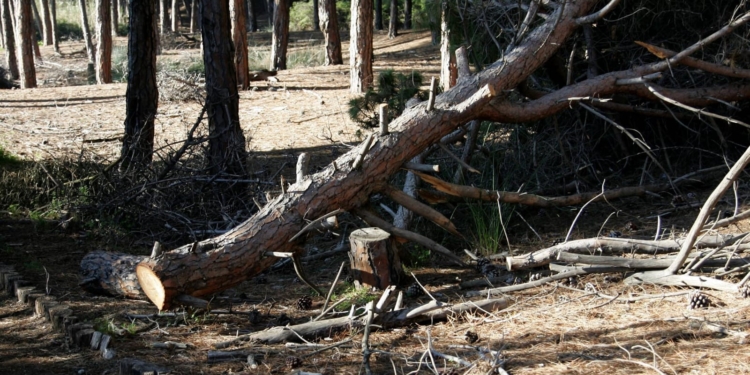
(745, 292)
(293, 362)
(414, 290)
(471, 337)
(304, 303)
(699, 300)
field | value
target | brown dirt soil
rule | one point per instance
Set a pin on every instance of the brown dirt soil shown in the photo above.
(554, 329)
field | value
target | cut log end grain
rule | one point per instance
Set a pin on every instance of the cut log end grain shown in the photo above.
(152, 287)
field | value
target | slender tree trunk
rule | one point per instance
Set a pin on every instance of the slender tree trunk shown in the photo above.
(115, 16)
(316, 16)
(142, 95)
(2, 29)
(360, 46)
(329, 24)
(252, 17)
(445, 50)
(378, 15)
(10, 39)
(195, 22)
(104, 42)
(239, 36)
(156, 19)
(393, 24)
(175, 14)
(407, 14)
(226, 145)
(280, 36)
(24, 37)
(53, 12)
(164, 16)
(86, 31)
(47, 21)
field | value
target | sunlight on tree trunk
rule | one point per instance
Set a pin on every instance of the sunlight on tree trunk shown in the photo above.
(360, 46)
(24, 46)
(239, 36)
(86, 31)
(47, 22)
(104, 42)
(329, 24)
(393, 24)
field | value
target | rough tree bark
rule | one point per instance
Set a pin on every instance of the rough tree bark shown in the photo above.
(213, 265)
(226, 147)
(47, 22)
(329, 24)
(239, 36)
(142, 95)
(393, 24)
(360, 46)
(280, 36)
(104, 42)
(24, 47)
(11, 60)
(445, 47)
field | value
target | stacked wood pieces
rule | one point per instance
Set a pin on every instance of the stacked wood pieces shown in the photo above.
(78, 335)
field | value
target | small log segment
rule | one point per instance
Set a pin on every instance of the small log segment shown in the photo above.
(111, 274)
(374, 258)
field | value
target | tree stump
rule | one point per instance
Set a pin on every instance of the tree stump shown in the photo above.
(374, 258)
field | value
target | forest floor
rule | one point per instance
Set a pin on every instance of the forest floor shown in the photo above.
(552, 329)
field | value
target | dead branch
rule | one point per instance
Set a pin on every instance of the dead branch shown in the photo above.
(612, 246)
(422, 209)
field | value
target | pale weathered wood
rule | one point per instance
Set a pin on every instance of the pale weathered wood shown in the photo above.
(23, 292)
(610, 246)
(374, 258)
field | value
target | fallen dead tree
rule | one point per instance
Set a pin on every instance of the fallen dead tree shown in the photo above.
(206, 267)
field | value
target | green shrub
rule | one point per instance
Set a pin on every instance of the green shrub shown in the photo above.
(68, 30)
(394, 89)
(119, 63)
(301, 16)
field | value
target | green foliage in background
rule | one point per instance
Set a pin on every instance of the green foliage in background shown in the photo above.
(394, 89)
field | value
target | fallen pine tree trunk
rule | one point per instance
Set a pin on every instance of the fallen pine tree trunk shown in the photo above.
(216, 264)
(213, 265)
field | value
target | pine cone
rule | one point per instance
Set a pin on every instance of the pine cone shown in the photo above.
(293, 362)
(304, 303)
(699, 300)
(745, 292)
(414, 290)
(471, 337)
